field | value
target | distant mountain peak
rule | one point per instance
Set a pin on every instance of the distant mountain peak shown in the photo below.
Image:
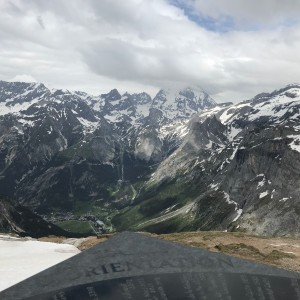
(290, 91)
(113, 95)
(182, 103)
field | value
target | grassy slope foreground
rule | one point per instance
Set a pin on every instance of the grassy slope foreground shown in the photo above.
(280, 252)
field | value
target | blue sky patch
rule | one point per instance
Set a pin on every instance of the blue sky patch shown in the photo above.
(223, 24)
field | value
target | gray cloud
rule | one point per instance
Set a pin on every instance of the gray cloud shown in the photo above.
(41, 22)
(145, 44)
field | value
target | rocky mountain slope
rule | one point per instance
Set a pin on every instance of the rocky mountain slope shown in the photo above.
(238, 168)
(176, 162)
(20, 220)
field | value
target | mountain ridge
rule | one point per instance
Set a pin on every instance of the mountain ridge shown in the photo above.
(176, 162)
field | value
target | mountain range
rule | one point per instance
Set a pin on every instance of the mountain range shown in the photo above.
(177, 162)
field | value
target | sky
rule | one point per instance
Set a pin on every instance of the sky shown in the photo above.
(233, 49)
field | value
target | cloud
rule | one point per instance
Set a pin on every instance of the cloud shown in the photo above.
(23, 78)
(41, 22)
(140, 45)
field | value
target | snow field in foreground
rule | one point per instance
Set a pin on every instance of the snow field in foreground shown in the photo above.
(20, 259)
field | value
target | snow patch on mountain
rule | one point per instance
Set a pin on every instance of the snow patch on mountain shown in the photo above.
(295, 144)
(263, 194)
(89, 126)
(238, 210)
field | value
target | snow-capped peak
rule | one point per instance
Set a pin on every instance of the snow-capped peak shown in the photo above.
(278, 107)
(182, 103)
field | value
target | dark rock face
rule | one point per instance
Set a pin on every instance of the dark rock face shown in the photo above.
(20, 220)
(263, 178)
(177, 162)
